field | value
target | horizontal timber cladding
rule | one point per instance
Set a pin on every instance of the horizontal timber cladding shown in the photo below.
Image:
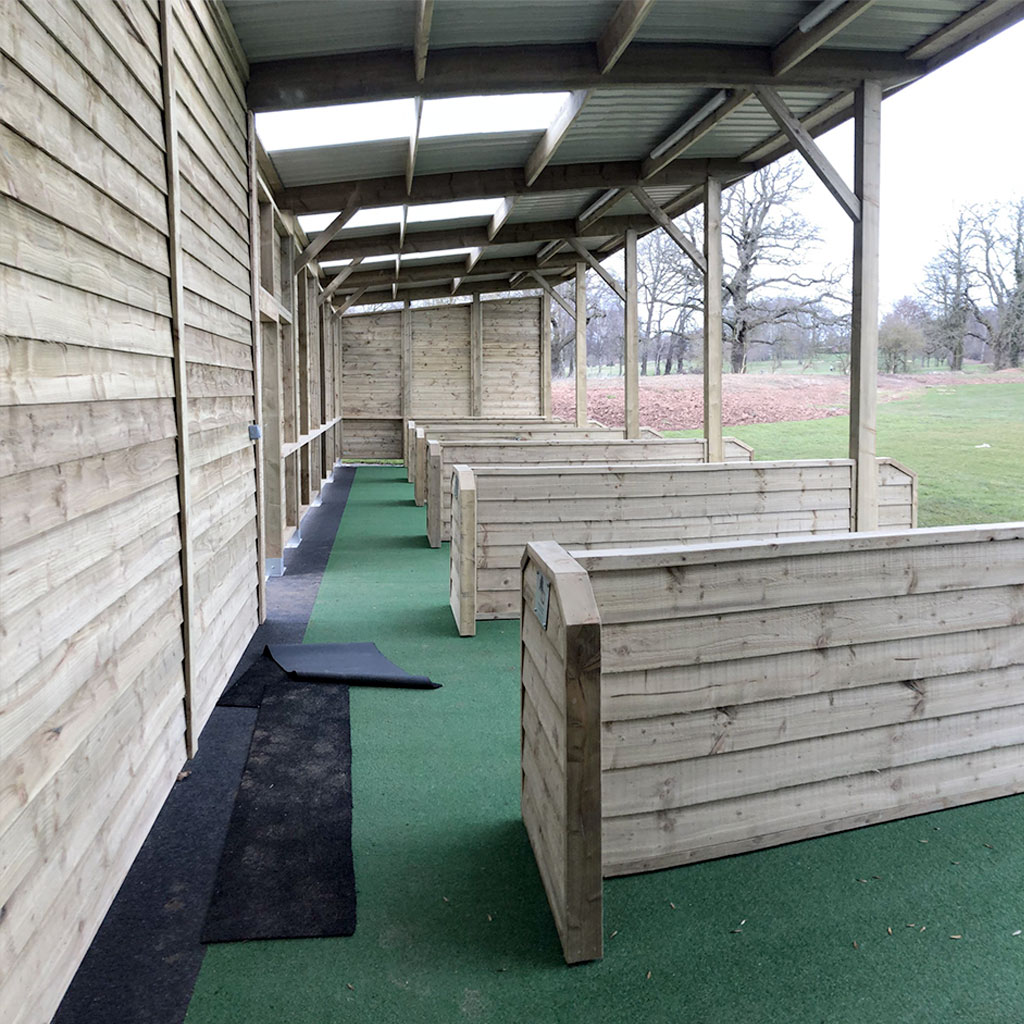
(543, 431)
(444, 455)
(512, 370)
(434, 376)
(757, 693)
(621, 504)
(92, 645)
(441, 378)
(217, 318)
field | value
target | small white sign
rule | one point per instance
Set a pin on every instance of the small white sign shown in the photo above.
(541, 599)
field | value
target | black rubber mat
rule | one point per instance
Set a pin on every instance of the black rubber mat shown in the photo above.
(142, 965)
(286, 868)
(354, 663)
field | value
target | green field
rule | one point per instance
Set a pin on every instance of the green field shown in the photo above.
(965, 442)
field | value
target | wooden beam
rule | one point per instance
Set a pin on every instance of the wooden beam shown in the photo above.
(590, 261)
(548, 290)
(545, 354)
(664, 221)
(713, 320)
(476, 357)
(493, 70)
(809, 149)
(974, 20)
(619, 32)
(693, 129)
(581, 344)
(421, 40)
(339, 279)
(456, 282)
(505, 181)
(556, 133)
(414, 142)
(168, 62)
(351, 301)
(403, 226)
(631, 340)
(501, 215)
(472, 256)
(864, 326)
(430, 240)
(815, 123)
(324, 238)
(600, 207)
(255, 291)
(468, 288)
(800, 44)
(381, 275)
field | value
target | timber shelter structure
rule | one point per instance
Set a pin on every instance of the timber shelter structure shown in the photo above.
(184, 364)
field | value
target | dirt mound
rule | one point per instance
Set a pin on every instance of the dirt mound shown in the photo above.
(675, 402)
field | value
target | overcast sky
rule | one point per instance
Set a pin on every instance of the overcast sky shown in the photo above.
(956, 137)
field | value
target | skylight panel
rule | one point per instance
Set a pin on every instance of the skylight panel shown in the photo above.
(336, 125)
(410, 256)
(476, 115)
(455, 210)
(310, 222)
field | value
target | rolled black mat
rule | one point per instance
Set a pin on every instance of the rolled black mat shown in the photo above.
(355, 664)
(286, 868)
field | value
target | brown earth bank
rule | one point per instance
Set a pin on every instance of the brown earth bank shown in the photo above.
(675, 402)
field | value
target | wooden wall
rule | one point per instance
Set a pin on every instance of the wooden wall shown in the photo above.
(761, 693)
(93, 682)
(432, 374)
(217, 345)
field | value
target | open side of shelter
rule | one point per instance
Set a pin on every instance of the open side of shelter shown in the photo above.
(183, 363)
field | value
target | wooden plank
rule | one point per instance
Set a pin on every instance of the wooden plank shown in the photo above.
(864, 324)
(462, 553)
(710, 830)
(630, 351)
(713, 319)
(619, 32)
(41, 499)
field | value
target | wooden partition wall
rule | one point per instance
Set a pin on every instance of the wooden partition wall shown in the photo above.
(128, 555)
(488, 359)
(684, 703)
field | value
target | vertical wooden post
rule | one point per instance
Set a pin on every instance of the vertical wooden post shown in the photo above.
(257, 366)
(476, 357)
(713, 320)
(545, 355)
(406, 362)
(167, 62)
(581, 344)
(338, 389)
(302, 381)
(631, 342)
(864, 334)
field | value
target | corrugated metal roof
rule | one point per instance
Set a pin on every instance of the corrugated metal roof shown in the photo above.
(446, 154)
(500, 23)
(896, 26)
(626, 124)
(737, 22)
(351, 162)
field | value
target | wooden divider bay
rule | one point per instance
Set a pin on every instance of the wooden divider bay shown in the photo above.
(761, 692)
(603, 506)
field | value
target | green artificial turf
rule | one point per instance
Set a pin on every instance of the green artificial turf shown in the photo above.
(940, 433)
(452, 921)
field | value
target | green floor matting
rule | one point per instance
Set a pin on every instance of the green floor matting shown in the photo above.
(452, 921)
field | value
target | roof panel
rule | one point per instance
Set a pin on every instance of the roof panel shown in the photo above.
(350, 162)
(450, 153)
(500, 23)
(737, 22)
(897, 26)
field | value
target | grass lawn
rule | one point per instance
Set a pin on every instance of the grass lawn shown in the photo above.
(966, 444)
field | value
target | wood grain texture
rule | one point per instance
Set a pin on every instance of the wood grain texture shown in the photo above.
(767, 691)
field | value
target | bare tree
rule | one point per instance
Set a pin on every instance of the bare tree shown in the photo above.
(765, 248)
(670, 293)
(947, 294)
(901, 336)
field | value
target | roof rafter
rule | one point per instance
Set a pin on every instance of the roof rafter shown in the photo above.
(414, 143)
(359, 77)
(800, 43)
(339, 279)
(382, 275)
(324, 238)
(619, 32)
(421, 40)
(506, 181)
(556, 133)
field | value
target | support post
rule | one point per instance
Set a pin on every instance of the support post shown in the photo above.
(545, 355)
(864, 334)
(476, 357)
(168, 60)
(713, 320)
(581, 344)
(406, 323)
(255, 276)
(631, 341)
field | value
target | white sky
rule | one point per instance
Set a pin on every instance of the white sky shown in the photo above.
(956, 137)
